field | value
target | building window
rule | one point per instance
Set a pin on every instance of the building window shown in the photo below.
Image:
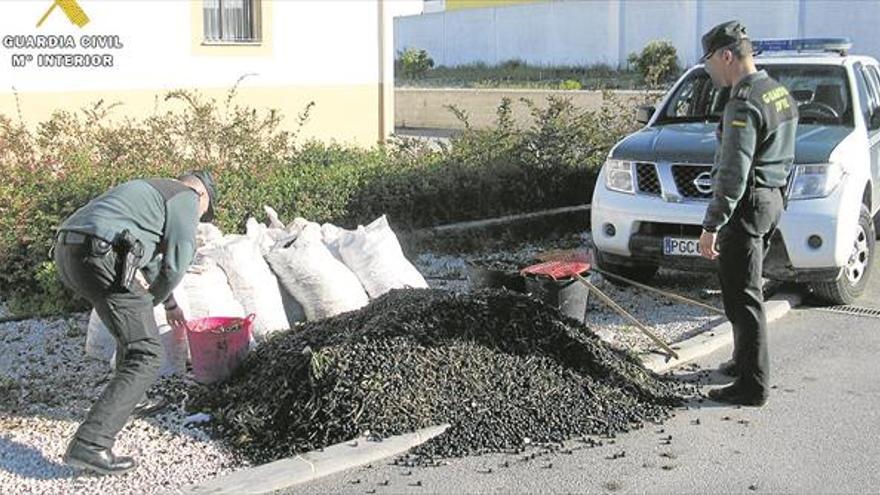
(232, 21)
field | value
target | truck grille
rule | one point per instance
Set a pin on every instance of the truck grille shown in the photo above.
(684, 176)
(647, 179)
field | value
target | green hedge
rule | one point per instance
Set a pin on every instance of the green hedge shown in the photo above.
(50, 172)
(518, 74)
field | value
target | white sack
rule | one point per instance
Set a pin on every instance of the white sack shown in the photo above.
(206, 234)
(332, 235)
(298, 225)
(176, 347)
(99, 343)
(374, 254)
(323, 285)
(272, 216)
(204, 291)
(252, 283)
(266, 238)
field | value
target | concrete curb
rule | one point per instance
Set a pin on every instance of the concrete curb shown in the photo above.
(716, 337)
(315, 464)
(477, 234)
(505, 220)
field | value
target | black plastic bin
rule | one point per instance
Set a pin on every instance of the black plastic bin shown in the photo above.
(481, 277)
(568, 294)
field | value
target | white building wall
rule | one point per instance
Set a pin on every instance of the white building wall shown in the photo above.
(311, 42)
(590, 31)
(565, 32)
(763, 18)
(432, 6)
(465, 32)
(670, 20)
(425, 32)
(862, 25)
(327, 53)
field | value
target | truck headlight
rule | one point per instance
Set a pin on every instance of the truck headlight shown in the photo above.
(619, 176)
(815, 180)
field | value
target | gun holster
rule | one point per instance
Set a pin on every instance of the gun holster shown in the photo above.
(130, 252)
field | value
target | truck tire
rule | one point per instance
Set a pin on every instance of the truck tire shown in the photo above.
(854, 278)
(877, 223)
(640, 272)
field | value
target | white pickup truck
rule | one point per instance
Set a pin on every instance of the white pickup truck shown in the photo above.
(652, 192)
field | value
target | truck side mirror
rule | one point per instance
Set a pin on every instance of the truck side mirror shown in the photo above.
(644, 113)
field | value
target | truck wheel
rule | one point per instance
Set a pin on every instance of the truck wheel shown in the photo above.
(852, 281)
(877, 223)
(640, 272)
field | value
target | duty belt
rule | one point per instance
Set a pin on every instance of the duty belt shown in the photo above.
(67, 237)
(129, 249)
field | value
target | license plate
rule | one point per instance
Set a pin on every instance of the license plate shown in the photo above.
(681, 246)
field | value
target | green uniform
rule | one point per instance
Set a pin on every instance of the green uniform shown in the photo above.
(163, 215)
(158, 212)
(754, 157)
(757, 144)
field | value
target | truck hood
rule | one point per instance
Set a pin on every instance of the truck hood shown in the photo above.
(695, 143)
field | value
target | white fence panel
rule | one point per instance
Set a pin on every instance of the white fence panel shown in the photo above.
(576, 32)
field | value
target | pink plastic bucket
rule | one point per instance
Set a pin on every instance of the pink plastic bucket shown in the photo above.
(216, 350)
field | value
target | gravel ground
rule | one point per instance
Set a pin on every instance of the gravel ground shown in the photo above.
(669, 320)
(47, 385)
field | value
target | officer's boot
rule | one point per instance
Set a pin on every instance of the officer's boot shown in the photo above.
(86, 455)
(728, 368)
(735, 394)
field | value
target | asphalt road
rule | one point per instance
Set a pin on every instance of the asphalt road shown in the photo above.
(820, 432)
(436, 138)
(871, 297)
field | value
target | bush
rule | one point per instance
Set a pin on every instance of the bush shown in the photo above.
(518, 74)
(658, 62)
(71, 158)
(414, 63)
(570, 84)
(74, 157)
(512, 64)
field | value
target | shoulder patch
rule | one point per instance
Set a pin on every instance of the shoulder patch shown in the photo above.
(776, 98)
(743, 92)
(738, 123)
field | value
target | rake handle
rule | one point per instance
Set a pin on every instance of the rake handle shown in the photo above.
(669, 295)
(613, 305)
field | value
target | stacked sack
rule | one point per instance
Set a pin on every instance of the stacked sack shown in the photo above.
(374, 254)
(283, 274)
(321, 284)
(330, 270)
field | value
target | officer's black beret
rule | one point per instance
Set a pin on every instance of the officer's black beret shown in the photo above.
(722, 35)
(211, 188)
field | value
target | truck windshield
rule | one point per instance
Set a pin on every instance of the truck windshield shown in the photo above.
(821, 92)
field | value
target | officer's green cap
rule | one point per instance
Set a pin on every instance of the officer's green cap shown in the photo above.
(208, 181)
(722, 35)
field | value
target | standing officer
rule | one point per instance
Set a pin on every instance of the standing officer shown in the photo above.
(757, 134)
(124, 252)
